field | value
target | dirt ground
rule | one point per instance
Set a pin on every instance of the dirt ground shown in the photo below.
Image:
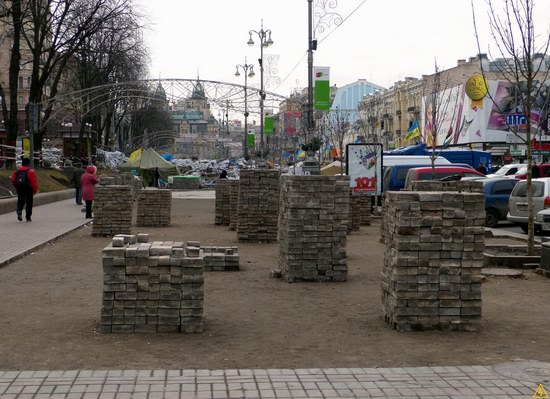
(51, 300)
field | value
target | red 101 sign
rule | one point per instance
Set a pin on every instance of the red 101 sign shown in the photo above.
(365, 185)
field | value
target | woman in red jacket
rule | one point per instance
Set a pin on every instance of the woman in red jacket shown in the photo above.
(88, 180)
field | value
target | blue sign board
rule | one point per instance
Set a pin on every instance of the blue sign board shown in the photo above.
(516, 119)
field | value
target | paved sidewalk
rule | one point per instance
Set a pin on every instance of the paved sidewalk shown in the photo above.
(48, 222)
(420, 382)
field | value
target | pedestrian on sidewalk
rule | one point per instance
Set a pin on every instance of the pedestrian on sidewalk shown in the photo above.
(25, 182)
(76, 183)
(88, 181)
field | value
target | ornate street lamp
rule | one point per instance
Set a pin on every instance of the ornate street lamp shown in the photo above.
(265, 41)
(248, 70)
(89, 142)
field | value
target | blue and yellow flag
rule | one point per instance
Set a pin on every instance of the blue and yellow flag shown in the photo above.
(413, 132)
(300, 154)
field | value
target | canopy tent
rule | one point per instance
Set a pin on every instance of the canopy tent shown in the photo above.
(148, 162)
(334, 168)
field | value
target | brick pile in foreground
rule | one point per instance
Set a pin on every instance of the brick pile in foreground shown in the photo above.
(112, 210)
(258, 210)
(152, 287)
(154, 208)
(432, 265)
(220, 259)
(313, 224)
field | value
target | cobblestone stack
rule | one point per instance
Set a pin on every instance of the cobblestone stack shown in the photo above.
(468, 186)
(185, 183)
(223, 202)
(258, 205)
(365, 202)
(432, 265)
(154, 208)
(354, 219)
(220, 259)
(112, 210)
(233, 204)
(152, 287)
(313, 227)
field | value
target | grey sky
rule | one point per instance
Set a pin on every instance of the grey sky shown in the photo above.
(383, 41)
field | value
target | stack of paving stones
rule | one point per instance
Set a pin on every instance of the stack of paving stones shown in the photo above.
(220, 259)
(432, 265)
(354, 212)
(154, 208)
(152, 287)
(365, 202)
(233, 204)
(112, 210)
(223, 202)
(313, 228)
(184, 183)
(470, 186)
(258, 212)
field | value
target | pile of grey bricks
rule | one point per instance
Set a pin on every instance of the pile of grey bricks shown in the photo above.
(223, 202)
(258, 210)
(313, 228)
(365, 212)
(220, 259)
(152, 287)
(154, 208)
(185, 183)
(233, 204)
(431, 277)
(354, 219)
(112, 210)
(468, 186)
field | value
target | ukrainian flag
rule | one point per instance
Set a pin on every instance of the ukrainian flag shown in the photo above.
(300, 154)
(413, 132)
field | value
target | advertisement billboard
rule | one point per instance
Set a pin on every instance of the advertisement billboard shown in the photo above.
(364, 167)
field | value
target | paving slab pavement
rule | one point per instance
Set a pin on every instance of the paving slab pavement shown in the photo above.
(467, 382)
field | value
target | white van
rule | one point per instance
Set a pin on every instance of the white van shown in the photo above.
(392, 160)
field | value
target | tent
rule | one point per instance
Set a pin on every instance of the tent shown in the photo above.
(148, 162)
(334, 168)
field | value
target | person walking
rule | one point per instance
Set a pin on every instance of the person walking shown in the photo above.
(25, 182)
(88, 181)
(77, 184)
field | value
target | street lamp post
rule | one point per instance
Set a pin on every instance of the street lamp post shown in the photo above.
(248, 70)
(265, 41)
(89, 142)
(70, 126)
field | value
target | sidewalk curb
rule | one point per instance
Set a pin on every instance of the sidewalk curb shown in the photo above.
(10, 204)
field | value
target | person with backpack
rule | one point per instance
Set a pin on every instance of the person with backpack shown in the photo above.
(25, 182)
(88, 181)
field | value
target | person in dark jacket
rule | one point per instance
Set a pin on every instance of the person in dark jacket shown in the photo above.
(75, 181)
(535, 171)
(25, 182)
(88, 181)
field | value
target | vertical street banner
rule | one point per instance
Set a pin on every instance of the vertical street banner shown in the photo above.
(250, 143)
(364, 167)
(268, 125)
(322, 88)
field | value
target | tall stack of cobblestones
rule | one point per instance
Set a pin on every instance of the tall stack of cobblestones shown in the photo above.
(152, 287)
(112, 210)
(154, 208)
(354, 223)
(258, 205)
(313, 228)
(365, 209)
(233, 204)
(432, 265)
(220, 259)
(223, 202)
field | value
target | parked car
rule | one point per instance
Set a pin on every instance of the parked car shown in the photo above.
(544, 170)
(543, 219)
(497, 195)
(507, 170)
(518, 202)
(425, 173)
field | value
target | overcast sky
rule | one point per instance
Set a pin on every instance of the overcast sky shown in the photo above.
(382, 41)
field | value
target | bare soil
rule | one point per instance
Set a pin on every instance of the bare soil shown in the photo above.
(51, 300)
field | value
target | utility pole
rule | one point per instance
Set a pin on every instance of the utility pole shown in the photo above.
(312, 45)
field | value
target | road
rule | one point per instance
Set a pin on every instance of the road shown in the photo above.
(514, 228)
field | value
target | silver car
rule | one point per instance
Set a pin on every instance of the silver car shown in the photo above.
(518, 202)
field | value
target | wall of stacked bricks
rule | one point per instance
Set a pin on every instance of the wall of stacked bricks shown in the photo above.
(220, 259)
(112, 210)
(233, 204)
(154, 208)
(431, 277)
(123, 179)
(258, 210)
(312, 231)
(365, 213)
(223, 202)
(354, 218)
(152, 287)
(185, 184)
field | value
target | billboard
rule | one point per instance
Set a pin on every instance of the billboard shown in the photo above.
(364, 167)
(463, 120)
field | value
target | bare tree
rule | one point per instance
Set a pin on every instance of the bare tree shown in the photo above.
(338, 132)
(523, 51)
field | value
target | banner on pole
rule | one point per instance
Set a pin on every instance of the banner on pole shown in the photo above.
(250, 142)
(322, 88)
(268, 125)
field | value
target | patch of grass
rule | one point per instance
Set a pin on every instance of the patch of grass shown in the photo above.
(48, 180)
